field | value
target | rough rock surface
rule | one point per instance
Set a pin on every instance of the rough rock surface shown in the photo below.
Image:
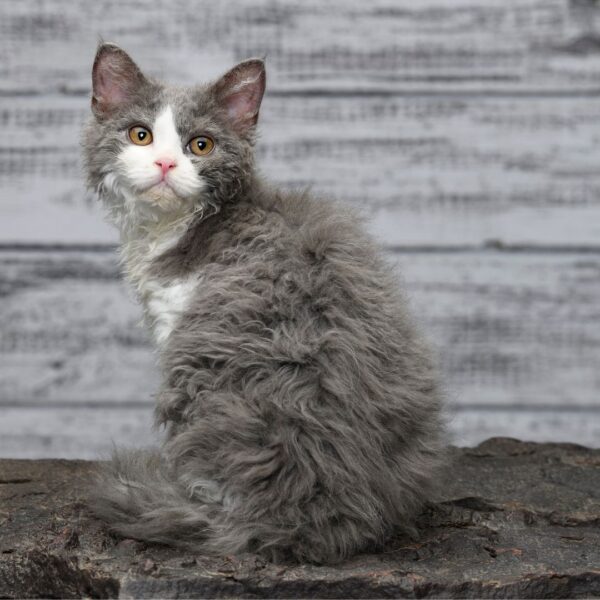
(515, 519)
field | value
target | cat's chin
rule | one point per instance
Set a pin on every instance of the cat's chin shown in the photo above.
(163, 197)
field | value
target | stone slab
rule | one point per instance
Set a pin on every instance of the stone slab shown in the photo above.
(515, 520)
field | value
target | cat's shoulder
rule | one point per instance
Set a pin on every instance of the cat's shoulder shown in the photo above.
(318, 221)
(305, 209)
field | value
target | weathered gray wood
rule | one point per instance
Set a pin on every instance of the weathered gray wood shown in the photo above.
(92, 431)
(451, 123)
(509, 328)
(74, 431)
(69, 331)
(398, 45)
(426, 171)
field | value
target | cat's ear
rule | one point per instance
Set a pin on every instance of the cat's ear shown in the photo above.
(115, 80)
(240, 92)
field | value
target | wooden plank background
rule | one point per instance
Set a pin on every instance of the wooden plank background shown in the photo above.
(466, 131)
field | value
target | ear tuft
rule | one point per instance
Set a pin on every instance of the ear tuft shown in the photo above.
(115, 80)
(240, 92)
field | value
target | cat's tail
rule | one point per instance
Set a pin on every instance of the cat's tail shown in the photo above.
(138, 495)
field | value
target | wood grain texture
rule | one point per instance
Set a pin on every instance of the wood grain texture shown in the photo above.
(391, 45)
(456, 126)
(70, 331)
(74, 432)
(509, 329)
(425, 171)
(91, 432)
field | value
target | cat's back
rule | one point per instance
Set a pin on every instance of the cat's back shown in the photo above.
(324, 248)
(299, 370)
(292, 285)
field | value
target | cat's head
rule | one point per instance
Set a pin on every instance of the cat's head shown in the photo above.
(152, 149)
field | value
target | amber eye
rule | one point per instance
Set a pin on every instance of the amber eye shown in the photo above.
(201, 145)
(140, 135)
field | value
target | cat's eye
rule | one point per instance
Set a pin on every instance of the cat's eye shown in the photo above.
(201, 145)
(140, 135)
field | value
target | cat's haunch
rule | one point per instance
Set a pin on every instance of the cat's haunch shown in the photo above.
(301, 407)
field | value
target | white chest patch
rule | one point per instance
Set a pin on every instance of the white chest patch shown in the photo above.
(164, 300)
(165, 305)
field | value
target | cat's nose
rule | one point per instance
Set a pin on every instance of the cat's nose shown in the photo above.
(166, 164)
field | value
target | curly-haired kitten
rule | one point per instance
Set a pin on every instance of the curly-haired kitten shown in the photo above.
(301, 408)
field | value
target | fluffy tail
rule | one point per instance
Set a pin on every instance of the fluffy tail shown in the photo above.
(138, 495)
(283, 507)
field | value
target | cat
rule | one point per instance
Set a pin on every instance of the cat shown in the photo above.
(301, 408)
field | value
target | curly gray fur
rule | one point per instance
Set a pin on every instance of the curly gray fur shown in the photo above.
(301, 406)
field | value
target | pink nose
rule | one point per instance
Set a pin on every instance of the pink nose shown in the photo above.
(166, 164)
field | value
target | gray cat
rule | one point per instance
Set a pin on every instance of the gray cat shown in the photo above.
(301, 409)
